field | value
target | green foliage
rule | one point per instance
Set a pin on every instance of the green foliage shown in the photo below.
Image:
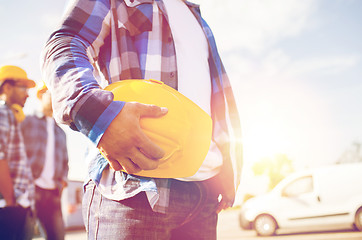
(275, 168)
(247, 196)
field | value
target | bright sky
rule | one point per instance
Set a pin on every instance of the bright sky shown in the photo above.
(295, 67)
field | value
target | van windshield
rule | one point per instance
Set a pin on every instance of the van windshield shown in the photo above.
(298, 187)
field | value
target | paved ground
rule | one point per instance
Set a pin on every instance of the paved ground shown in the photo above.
(228, 229)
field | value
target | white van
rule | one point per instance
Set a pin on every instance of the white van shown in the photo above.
(327, 196)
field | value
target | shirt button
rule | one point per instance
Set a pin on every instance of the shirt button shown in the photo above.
(169, 39)
(131, 1)
(172, 74)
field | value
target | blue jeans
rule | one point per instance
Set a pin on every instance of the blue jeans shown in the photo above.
(191, 215)
(49, 213)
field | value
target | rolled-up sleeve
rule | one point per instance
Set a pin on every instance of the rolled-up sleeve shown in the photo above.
(67, 68)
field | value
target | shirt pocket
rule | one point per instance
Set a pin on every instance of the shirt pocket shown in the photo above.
(139, 16)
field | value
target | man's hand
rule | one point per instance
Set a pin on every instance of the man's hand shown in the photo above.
(226, 185)
(227, 199)
(124, 143)
(223, 185)
(64, 184)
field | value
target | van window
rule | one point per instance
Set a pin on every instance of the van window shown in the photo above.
(299, 186)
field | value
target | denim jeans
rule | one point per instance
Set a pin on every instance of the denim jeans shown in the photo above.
(49, 213)
(191, 215)
(16, 223)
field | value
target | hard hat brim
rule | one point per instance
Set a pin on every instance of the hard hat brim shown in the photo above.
(26, 82)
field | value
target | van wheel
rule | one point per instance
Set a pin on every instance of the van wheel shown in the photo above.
(358, 219)
(265, 225)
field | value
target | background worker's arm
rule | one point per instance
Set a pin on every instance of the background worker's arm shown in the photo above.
(6, 184)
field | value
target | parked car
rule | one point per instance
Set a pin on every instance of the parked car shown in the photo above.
(72, 205)
(328, 196)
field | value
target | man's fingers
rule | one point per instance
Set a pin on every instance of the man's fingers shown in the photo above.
(149, 148)
(130, 167)
(219, 208)
(125, 164)
(143, 161)
(224, 204)
(114, 164)
(142, 141)
(125, 144)
(153, 111)
(146, 146)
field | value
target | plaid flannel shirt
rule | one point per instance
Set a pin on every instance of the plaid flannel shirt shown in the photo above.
(12, 150)
(104, 41)
(35, 136)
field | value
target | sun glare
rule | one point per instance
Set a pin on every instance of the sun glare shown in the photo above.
(265, 136)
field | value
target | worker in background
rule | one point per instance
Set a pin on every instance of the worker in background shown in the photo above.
(46, 149)
(16, 182)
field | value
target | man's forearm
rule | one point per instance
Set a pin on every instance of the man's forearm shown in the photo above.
(6, 184)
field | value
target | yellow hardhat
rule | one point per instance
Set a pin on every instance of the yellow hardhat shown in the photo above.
(9, 72)
(40, 89)
(184, 133)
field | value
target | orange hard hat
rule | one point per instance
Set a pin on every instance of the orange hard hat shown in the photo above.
(184, 133)
(40, 89)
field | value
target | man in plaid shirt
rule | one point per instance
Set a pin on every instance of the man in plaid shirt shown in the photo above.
(16, 182)
(101, 42)
(46, 148)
